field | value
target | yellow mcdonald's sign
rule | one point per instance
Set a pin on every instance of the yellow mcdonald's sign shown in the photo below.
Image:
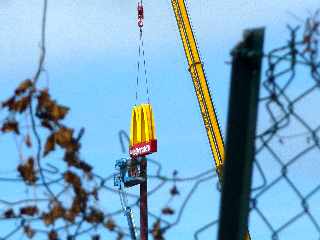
(142, 131)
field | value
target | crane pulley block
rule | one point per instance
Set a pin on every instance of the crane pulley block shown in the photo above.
(142, 132)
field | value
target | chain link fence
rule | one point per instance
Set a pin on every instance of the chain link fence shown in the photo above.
(285, 192)
(286, 205)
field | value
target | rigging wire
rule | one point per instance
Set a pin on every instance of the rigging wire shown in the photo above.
(141, 55)
(145, 70)
(138, 72)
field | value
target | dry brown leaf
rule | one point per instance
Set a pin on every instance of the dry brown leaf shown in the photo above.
(95, 194)
(29, 231)
(167, 211)
(71, 158)
(27, 141)
(47, 218)
(156, 231)
(10, 126)
(63, 137)
(19, 105)
(50, 145)
(9, 103)
(55, 213)
(22, 104)
(27, 171)
(44, 99)
(53, 235)
(110, 225)
(23, 87)
(29, 210)
(174, 191)
(79, 203)
(85, 167)
(70, 216)
(46, 124)
(58, 112)
(72, 179)
(48, 109)
(95, 216)
(76, 206)
(9, 213)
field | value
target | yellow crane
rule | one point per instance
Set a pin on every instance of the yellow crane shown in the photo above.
(196, 70)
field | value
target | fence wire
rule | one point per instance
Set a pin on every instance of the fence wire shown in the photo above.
(287, 145)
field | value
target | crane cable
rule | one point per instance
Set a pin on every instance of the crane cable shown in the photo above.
(141, 54)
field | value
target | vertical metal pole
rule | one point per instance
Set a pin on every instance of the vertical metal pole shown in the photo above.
(144, 201)
(241, 130)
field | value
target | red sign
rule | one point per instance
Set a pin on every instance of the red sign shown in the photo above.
(142, 149)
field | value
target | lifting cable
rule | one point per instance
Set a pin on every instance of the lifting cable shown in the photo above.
(141, 54)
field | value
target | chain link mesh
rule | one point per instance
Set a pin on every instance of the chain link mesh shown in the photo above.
(285, 204)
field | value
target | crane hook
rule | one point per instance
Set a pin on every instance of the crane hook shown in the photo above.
(140, 15)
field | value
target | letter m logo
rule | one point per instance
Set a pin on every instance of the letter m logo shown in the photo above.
(142, 131)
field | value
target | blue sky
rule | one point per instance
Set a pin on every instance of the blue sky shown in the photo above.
(91, 64)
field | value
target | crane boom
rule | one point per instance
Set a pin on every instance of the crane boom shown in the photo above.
(198, 76)
(196, 70)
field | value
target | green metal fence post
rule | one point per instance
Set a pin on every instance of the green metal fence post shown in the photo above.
(241, 130)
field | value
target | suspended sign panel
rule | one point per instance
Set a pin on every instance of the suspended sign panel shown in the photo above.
(142, 132)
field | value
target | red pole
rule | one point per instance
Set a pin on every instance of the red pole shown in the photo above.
(144, 201)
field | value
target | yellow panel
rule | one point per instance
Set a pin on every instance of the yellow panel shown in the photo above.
(142, 124)
(150, 121)
(152, 125)
(133, 126)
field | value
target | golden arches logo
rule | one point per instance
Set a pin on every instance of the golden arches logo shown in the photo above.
(142, 131)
